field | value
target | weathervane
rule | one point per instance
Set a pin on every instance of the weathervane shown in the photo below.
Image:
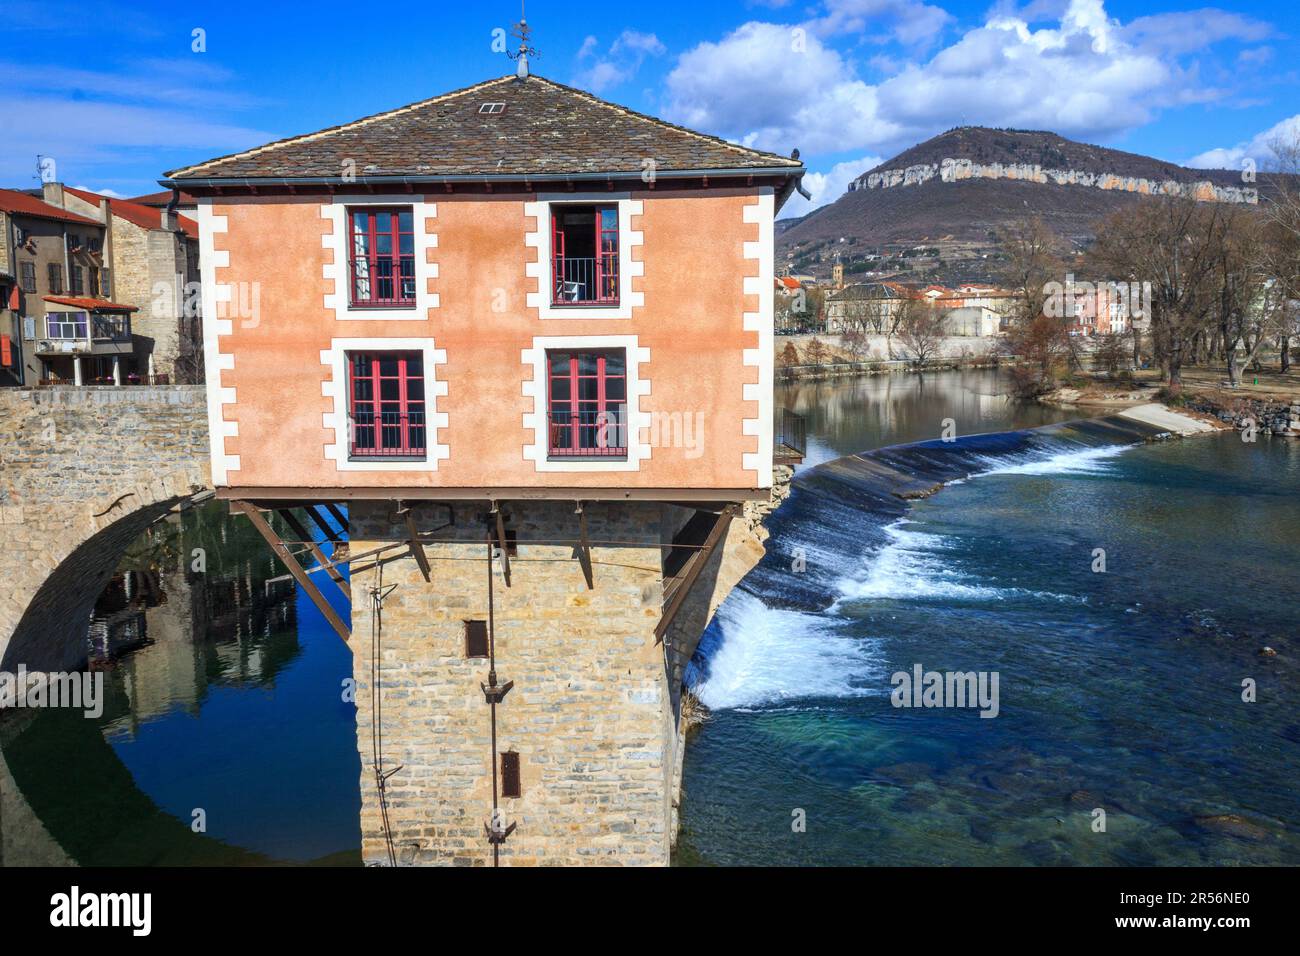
(521, 32)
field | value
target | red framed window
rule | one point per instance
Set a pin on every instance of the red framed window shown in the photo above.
(587, 404)
(584, 255)
(382, 257)
(386, 392)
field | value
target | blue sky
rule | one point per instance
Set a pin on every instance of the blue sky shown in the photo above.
(116, 93)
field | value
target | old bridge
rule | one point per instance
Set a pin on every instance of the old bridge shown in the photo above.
(83, 471)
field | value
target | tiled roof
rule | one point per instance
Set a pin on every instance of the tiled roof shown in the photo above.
(147, 217)
(91, 305)
(25, 204)
(544, 129)
(161, 198)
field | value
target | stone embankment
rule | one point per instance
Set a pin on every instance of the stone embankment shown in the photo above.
(1265, 415)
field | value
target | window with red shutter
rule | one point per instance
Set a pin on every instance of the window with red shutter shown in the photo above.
(386, 391)
(587, 403)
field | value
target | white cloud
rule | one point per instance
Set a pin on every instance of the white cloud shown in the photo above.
(1084, 74)
(93, 121)
(1192, 30)
(911, 22)
(1258, 148)
(775, 87)
(89, 138)
(828, 186)
(621, 63)
(111, 193)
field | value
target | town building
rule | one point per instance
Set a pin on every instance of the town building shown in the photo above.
(866, 306)
(154, 253)
(58, 322)
(96, 290)
(972, 320)
(524, 337)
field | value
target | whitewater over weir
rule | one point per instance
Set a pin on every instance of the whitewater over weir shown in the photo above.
(781, 635)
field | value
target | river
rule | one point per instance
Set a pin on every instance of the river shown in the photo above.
(226, 738)
(1122, 736)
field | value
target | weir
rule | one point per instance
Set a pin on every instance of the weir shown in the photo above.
(823, 518)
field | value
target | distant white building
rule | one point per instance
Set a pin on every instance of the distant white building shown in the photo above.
(975, 320)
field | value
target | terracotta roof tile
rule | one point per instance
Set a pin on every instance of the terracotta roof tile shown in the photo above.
(161, 198)
(25, 204)
(545, 128)
(147, 217)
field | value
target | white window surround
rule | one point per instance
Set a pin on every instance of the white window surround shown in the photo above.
(336, 387)
(638, 386)
(540, 239)
(336, 240)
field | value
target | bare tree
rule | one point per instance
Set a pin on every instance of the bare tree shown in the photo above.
(920, 330)
(1245, 309)
(1111, 354)
(1032, 257)
(1173, 245)
(854, 342)
(816, 352)
(1282, 241)
(1039, 349)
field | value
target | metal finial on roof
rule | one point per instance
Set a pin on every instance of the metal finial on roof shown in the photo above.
(522, 31)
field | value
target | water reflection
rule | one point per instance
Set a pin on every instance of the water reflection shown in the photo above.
(850, 415)
(222, 695)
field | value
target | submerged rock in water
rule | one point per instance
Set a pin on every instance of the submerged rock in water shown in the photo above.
(1234, 825)
(904, 773)
(912, 494)
(914, 801)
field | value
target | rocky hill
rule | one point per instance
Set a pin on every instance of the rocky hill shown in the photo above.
(952, 193)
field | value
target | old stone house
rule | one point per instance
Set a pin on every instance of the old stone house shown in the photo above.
(57, 319)
(155, 261)
(524, 337)
(97, 290)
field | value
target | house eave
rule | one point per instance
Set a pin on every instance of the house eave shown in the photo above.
(338, 183)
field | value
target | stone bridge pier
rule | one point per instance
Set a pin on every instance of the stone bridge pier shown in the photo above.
(83, 471)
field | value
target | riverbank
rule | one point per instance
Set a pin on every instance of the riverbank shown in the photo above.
(1216, 407)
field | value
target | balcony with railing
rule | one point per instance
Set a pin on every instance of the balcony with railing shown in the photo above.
(587, 434)
(382, 281)
(85, 332)
(388, 434)
(586, 281)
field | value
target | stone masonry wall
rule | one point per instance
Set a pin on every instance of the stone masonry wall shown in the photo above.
(589, 713)
(83, 470)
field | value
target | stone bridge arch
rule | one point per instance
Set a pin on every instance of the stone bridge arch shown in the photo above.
(83, 471)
